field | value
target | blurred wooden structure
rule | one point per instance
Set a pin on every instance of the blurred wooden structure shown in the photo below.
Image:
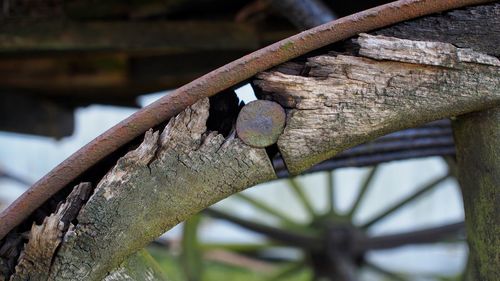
(57, 55)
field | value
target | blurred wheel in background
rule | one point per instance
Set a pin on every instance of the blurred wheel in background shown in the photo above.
(385, 222)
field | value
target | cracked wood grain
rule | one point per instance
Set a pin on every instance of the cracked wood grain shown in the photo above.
(393, 84)
(169, 177)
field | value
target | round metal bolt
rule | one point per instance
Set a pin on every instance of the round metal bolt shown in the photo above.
(260, 123)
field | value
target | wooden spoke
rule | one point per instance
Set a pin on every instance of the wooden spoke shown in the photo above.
(288, 237)
(414, 196)
(423, 236)
(239, 247)
(266, 209)
(191, 257)
(364, 188)
(301, 196)
(331, 192)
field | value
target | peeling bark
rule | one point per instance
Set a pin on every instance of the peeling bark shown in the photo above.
(346, 100)
(168, 178)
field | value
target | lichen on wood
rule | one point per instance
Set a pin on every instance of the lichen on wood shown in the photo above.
(477, 138)
(391, 85)
(169, 177)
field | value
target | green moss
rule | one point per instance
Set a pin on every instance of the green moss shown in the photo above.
(287, 46)
(477, 137)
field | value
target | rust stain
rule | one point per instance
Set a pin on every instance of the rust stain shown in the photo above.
(210, 84)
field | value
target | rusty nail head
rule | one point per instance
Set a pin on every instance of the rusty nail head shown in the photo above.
(260, 123)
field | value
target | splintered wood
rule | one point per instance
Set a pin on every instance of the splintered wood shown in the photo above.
(392, 84)
(168, 178)
(36, 259)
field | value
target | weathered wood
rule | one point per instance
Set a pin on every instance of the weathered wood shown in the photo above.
(114, 78)
(168, 178)
(115, 61)
(36, 258)
(119, 71)
(140, 37)
(477, 137)
(346, 100)
(472, 27)
(64, 72)
(138, 267)
(92, 9)
(114, 9)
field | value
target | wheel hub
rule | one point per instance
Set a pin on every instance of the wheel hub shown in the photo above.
(340, 250)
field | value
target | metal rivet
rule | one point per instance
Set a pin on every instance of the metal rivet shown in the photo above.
(260, 123)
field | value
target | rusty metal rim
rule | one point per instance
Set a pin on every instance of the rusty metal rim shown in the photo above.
(210, 84)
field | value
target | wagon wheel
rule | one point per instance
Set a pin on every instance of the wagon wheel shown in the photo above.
(349, 241)
(380, 85)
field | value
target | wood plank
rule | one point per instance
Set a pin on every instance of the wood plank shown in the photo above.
(95, 9)
(104, 78)
(131, 36)
(118, 60)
